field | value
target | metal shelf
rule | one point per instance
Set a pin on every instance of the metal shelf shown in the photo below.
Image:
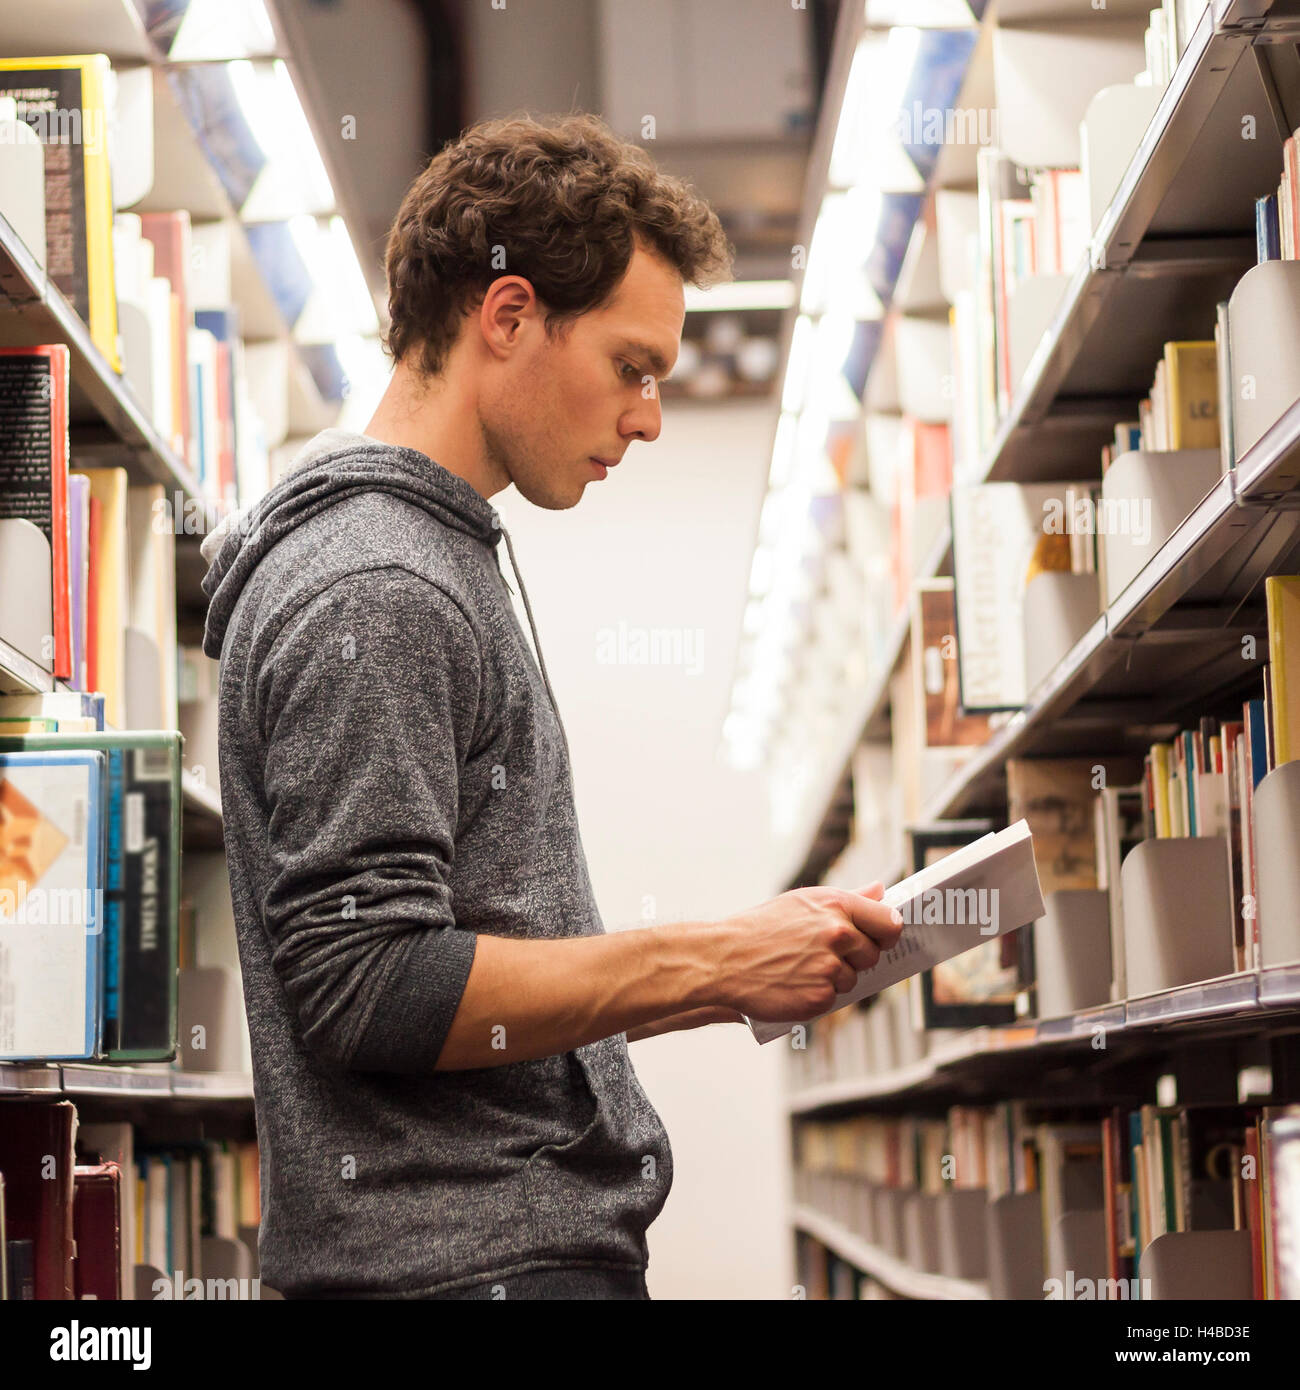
(149, 1082)
(32, 310)
(1166, 249)
(891, 1272)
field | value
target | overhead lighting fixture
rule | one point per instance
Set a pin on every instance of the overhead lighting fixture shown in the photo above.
(739, 295)
(294, 181)
(920, 14)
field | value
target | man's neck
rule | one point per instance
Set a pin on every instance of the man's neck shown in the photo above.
(436, 417)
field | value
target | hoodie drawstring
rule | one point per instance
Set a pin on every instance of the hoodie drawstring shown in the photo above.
(537, 646)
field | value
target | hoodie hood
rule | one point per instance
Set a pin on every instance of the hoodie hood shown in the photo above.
(236, 549)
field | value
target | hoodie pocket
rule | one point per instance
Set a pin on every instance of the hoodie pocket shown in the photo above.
(599, 1190)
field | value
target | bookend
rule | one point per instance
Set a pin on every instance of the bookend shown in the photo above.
(1197, 1264)
(889, 1220)
(1177, 913)
(1264, 338)
(1072, 951)
(963, 1246)
(921, 1231)
(1166, 484)
(1058, 610)
(26, 591)
(1013, 1225)
(1277, 833)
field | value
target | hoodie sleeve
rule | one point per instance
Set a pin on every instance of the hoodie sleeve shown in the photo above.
(367, 704)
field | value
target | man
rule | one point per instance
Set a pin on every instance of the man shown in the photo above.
(439, 1022)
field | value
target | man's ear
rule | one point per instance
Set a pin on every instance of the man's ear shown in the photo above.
(508, 305)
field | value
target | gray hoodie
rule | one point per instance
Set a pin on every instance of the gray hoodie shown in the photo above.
(395, 780)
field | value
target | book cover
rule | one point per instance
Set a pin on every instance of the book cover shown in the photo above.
(34, 472)
(109, 578)
(79, 574)
(1192, 382)
(1282, 596)
(982, 891)
(1003, 535)
(64, 100)
(97, 1269)
(169, 235)
(51, 873)
(37, 1158)
(141, 885)
(943, 722)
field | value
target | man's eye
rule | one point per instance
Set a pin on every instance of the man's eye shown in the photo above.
(628, 367)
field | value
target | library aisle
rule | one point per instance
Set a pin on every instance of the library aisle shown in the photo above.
(852, 855)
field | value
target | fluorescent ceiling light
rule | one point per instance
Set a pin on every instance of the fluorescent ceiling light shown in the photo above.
(796, 367)
(740, 294)
(294, 181)
(213, 29)
(867, 149)
(843, 236)
(924, 14)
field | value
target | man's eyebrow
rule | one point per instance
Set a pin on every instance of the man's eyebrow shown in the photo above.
(656, 359)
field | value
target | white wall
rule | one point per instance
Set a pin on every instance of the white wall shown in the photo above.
(665, 543)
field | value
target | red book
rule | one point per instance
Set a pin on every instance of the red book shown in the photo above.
(92, 588)
(34, 469)
(36, 1157)
(170, 234)
(225, 425)
(97, 1271)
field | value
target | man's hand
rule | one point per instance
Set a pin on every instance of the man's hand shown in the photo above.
(790, 957)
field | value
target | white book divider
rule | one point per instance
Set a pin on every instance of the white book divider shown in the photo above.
(923, 362)
(1013, 1225)
(136, 333)
(882, 384)
(130, 149)
(225, 1260)
(1197, 1264)
(1109, 135)
(1177, 913)
(888, 1208)
(963, 1246)
(210, 999)
(921, 1231)
(864, 1220)
(1146, 496)
(26, 591)
(882, 1055)
(1072, 959)
(146, 1276)
(1076, 1248)
(956, 218)
(1264, 333)
(1046, 74)
(1030, 307)
(22, 180)
(143, 664)
(1277, 865)
(1058, 610)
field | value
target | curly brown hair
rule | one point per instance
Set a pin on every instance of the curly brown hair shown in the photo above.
(562, 203)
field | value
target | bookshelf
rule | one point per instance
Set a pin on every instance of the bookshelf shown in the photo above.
(112, 425)
(1171, 240)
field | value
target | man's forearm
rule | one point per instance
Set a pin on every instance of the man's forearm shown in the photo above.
(529, 999)
(679, 1023)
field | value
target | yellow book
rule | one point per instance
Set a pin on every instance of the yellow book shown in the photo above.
(1191, 381)
(63, 100)
(111, 598)
(1160, 788)
(1282, 595)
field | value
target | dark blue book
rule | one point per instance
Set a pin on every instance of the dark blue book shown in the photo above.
(1268, 231)
(1257, 736)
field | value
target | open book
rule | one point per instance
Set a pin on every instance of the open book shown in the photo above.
(979, 892)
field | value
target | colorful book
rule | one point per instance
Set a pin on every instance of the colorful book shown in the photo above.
(141, 884)
(52, 845)
(64, 100)
(1282, 596)
(34, 474)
